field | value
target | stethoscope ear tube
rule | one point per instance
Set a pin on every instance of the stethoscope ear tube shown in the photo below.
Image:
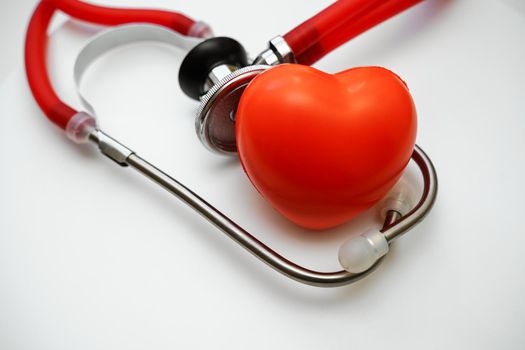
(395, 223)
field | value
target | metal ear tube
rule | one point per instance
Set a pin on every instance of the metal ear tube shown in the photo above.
(362, 264)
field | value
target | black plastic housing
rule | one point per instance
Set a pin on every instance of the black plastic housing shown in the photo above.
(209, 54)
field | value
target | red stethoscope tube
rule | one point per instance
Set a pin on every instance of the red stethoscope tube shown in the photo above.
(339, 23)
(36, 44)
(36, 67)
(311, 31)
(114, 16)
(309, 41)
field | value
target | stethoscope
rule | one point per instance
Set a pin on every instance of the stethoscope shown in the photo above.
(217, 72)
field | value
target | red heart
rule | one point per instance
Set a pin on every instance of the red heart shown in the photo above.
(322, 148)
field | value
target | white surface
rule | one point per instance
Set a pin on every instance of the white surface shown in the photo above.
(14, 15)
(93, 257)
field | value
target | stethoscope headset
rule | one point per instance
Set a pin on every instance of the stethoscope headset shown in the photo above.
(353, 133)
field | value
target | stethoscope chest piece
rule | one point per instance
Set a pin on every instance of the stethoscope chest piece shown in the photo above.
(215, 122)
(216, 72)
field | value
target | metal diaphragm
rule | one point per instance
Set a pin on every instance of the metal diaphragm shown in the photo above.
(215, 123)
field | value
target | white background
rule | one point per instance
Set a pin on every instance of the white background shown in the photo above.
(93, 257)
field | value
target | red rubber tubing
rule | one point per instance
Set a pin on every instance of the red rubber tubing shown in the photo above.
(312, 30)
(350, 28)
(36, 67)
(111, 16)
(53, 107)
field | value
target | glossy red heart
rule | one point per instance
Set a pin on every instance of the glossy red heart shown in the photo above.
(322, 148)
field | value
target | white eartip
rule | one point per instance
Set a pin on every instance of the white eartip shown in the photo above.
(360, 253)
(400, 199)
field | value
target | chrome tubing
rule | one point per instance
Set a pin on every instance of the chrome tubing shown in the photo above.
(393, 227)
(426, 202)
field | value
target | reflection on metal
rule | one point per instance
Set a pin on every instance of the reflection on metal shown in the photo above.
(394, 225)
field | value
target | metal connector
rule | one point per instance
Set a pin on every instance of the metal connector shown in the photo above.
(278, 52)
(110, 147)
